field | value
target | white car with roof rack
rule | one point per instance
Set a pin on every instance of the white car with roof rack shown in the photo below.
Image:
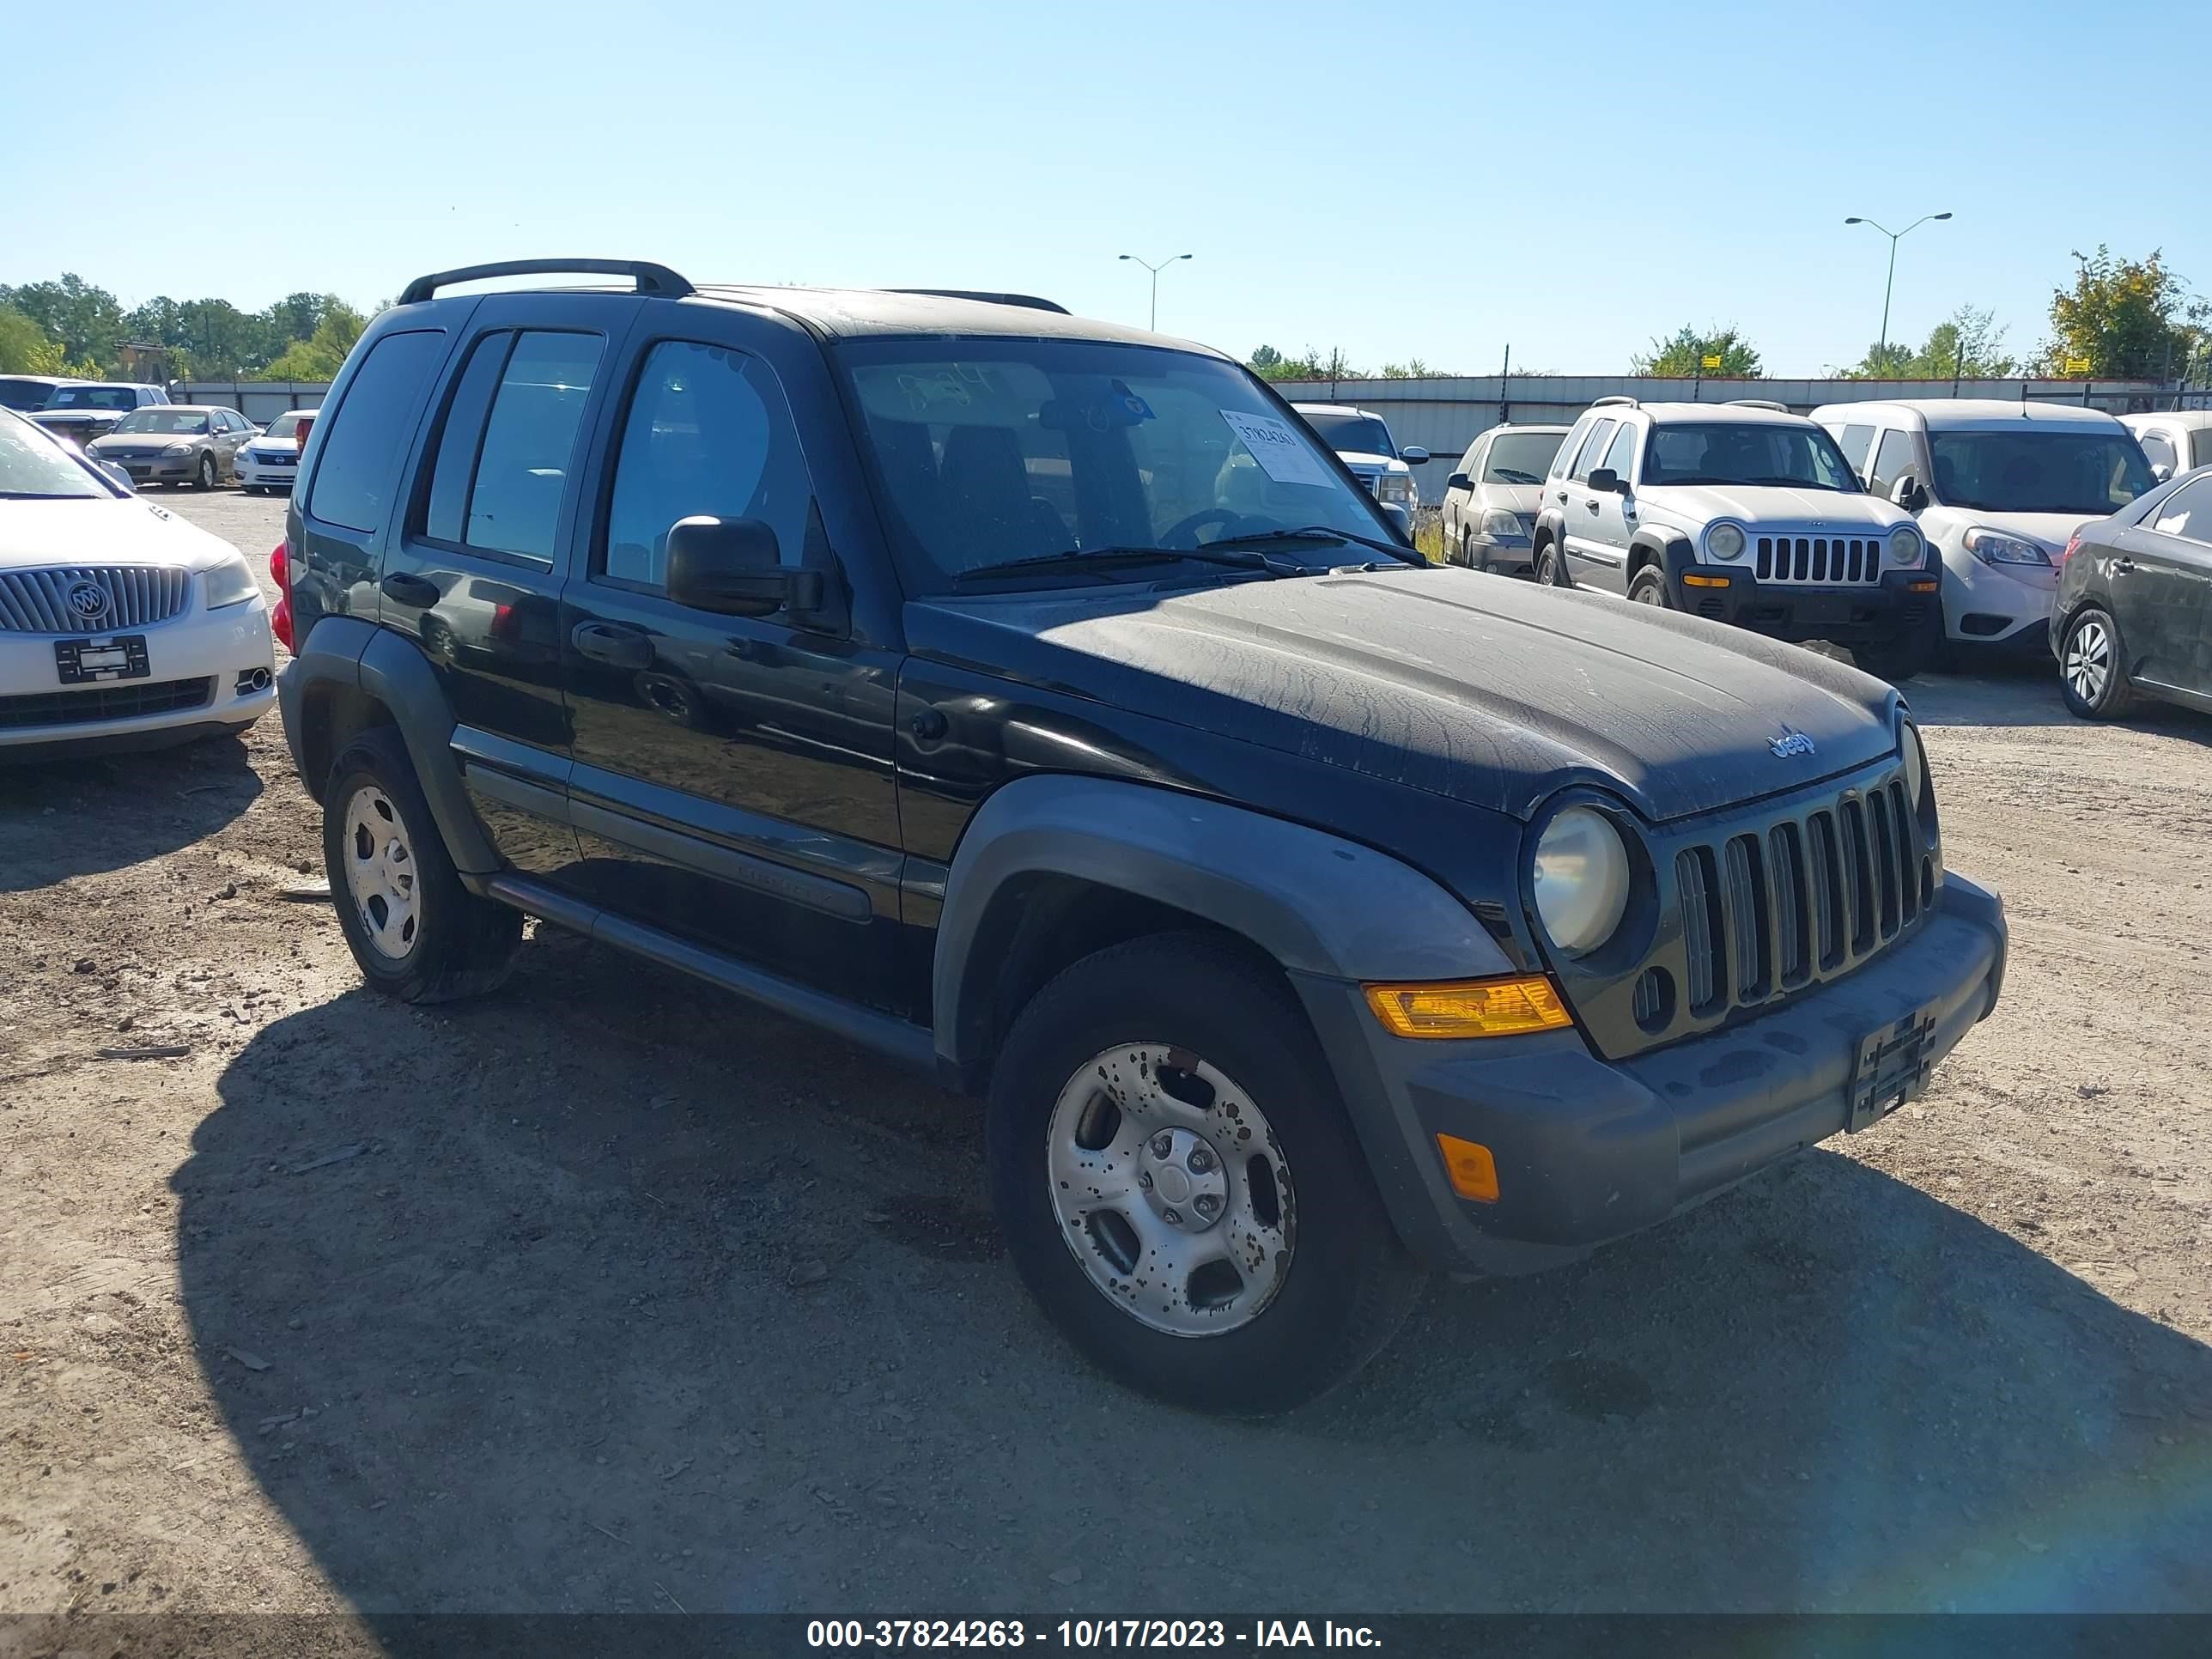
(1997, 487)
(1743, 513)
(121, 625)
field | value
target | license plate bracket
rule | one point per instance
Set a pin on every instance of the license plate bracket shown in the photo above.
(1892, 1066)
(89, 661)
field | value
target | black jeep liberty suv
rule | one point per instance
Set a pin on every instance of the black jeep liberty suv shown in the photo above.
(1034, 701)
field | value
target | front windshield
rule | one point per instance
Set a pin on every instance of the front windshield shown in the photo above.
(162, 420)
(2032, 471)
(287, 426)
(1746, 452)
(1351, 435)
(23, 394)
(95, 396)
(33, 467)
(990, 450)
(1521, 458)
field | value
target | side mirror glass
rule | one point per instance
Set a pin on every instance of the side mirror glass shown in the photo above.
(1413, 455)
(734, 567)
(1459, 481)
(1606, 481)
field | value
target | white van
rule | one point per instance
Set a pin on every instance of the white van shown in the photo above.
(1998, 488)
(2178, 439)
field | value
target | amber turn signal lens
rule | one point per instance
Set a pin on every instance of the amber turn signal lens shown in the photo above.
(1691, 579)
(1924, 586)
(1468, 1008)
(1472, 1170)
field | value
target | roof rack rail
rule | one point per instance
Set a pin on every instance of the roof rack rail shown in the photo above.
(1030, 301)
(1615, 402)
(651, 278)
(1758, 403)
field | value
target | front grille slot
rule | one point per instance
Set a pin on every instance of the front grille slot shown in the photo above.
(1818, 561)
(1908, 852)
(138, 595)
(1703, 940)
(117, 701)
(1828, 890)
(1786, 860)
(1748, 919)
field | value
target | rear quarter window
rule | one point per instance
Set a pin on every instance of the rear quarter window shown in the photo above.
(357, 479)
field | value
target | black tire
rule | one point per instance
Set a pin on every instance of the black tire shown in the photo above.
(203, 477)
(1650, 587)
(2089, 698)
(1898, 659)
(1349, 1283)
(1551, 567)
(462, 946)
(251, 490)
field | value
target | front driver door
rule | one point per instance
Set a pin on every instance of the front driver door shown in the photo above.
(732, 781)
(1613, 514)
(2161, 582)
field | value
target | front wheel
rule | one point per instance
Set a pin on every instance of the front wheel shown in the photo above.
(1178, 1185)
(1898, 659)
(1650, 587)
(2091, 675)
(205, 477)
(415, 931)
(1550, 569)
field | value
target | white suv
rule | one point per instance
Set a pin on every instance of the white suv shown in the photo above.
(1744, 513)
(121, 625)
(1997, 488)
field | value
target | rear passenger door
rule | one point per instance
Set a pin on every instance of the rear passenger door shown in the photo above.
(733, 780)
(474, 574)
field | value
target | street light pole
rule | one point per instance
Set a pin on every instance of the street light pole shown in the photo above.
(1895, 237)
(1155, 270)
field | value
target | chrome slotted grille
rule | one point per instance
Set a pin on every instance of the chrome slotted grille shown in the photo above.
(1819, 561)
(39, 601)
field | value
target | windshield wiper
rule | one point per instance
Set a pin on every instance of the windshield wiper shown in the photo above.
(1125, 558)
(1307, 532)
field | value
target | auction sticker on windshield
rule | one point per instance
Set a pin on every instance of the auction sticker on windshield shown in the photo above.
(1281, 453)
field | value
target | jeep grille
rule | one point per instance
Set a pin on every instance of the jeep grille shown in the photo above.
(1819, 561)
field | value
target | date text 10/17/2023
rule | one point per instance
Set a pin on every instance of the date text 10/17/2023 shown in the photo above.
(1085, 1633)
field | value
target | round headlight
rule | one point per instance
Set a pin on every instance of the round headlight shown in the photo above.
(1904, 545)
(1915, 764)
(1582, 880)
(1724, 541)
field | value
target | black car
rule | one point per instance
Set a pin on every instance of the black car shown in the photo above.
(2133, 614)
(1038, 702)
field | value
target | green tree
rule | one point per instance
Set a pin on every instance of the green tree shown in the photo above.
(1312, 365)
(20, 340)
(1265, 358)
(2127, 318)
(319, 356)
(86, 320)
(1684, 352)
(1968, 344)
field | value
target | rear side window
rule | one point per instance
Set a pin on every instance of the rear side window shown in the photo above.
(1565, 458)
(1891, 462)
(357, 478)
(2186, 513)
(507, 441)
(1593, 446)
(1855, 442)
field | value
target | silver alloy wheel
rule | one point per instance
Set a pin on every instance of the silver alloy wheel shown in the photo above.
(2089, 659)
(1170, 1189)
(207, 471)
(379, 873)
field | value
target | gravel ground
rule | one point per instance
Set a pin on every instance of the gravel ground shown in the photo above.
(609, 1293)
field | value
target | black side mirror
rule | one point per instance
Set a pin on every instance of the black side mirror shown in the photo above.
(734, 567)
(1909, 493)
(1413, 455)
(1607, 482)
(1459, 481)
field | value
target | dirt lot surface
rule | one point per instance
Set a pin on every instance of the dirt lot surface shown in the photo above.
(610, 1293)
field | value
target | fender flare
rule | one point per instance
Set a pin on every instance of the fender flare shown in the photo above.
(359, 656)
(1670, 550)
(1320, 905)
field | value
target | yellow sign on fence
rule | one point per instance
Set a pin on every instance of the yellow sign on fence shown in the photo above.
(2077, 365)
(1711, 361)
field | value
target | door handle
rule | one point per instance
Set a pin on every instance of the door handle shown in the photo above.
(1591, 505)
(620, 647)
(2124, 564)
(403, 589)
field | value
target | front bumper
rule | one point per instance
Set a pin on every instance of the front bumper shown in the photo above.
(263, 475)
(164, 469)
(1588, 1150)
(1903, 603)
(1509, 555)
(2000, 606)
(218, 647)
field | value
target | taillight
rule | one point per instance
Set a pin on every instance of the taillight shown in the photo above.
(280, 620)
(2072, 542)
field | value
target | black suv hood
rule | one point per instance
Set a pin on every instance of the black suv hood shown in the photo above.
(1487, 690)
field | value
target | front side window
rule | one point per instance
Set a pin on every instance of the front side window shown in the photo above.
(1746, 452)
(708, 432)
(173, 422)
(1520, 458)
(1351, 435)
(2030, 471)
(33, 467)
(989, 450)
(1621, 457)
(356, 480)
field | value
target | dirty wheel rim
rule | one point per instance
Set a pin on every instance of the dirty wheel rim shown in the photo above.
(2089, 659)
(380, 874)
(207, 472)
(1171, 1191)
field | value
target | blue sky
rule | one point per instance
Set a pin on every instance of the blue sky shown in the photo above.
(1402, 181)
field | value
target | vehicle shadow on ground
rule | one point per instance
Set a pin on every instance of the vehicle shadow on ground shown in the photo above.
(611, 1294)
(2017, 693)
(145, 805)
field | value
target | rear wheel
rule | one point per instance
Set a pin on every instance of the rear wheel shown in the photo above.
(2091, 677)
(1178, 1185)
(417, 934)
(1650, 587)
